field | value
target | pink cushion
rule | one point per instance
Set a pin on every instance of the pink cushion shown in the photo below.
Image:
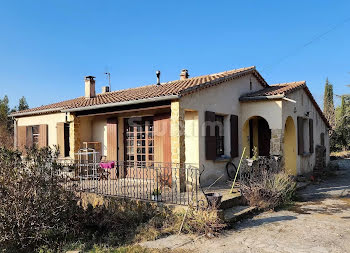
(107, 165)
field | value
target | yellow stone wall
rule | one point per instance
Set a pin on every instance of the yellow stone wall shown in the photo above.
(177, 133)
(74, 135)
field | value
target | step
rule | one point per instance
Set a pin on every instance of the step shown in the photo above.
(236, 213)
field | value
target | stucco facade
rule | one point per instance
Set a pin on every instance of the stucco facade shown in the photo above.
(186, 115)
(48, 119)
(223, 100)
(302, 107)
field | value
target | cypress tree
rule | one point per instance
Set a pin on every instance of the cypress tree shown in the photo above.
(328, 104)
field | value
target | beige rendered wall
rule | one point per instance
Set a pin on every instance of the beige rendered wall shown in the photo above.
(49, 119)
(222, 99)
(270, 110)
(191, 137)
(303, 104)
(94, 129)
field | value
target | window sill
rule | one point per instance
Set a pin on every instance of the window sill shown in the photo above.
(222, 159)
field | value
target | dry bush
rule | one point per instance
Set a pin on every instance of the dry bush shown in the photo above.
(34, 208)
(36, 212)
(268, 188)
(193, 221)
(6, 138)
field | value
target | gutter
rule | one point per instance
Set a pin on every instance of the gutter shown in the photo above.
(131, 102)
(257, 98)
(13, 115)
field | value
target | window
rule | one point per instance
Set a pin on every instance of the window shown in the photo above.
(322, 139)
(139, 140)
(219, 135)
(305, 136)
(35, 135)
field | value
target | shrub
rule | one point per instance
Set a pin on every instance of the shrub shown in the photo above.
(38, 214)
(268, 187)
(34, 208)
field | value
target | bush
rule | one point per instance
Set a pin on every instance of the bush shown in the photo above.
(34, 208)
(38, 214)
(268, 188)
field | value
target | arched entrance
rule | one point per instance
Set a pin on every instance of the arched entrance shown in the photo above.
(257, 133)
(289, 144)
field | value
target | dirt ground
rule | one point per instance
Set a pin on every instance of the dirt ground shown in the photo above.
(318, 222)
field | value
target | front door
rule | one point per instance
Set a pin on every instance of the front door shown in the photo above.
(264, 136)
(139, 146)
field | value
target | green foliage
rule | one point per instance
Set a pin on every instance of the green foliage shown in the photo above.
(6, 123)
(340, 137)
(23, 105)
(328, 103)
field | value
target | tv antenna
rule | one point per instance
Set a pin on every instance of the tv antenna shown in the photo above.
(109, 80)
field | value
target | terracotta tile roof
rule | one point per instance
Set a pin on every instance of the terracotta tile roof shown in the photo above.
(276, 89)
(283, 89)
(177, 87)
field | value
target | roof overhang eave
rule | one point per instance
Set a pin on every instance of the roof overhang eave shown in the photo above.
(131, 102)
(259, 98)
(21, 114)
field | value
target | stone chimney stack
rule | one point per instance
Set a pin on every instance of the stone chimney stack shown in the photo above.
(184, 74)
(90, 91)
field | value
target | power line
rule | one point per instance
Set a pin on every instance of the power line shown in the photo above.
(317, 37)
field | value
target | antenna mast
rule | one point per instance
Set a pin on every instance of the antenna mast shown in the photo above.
(109, 80)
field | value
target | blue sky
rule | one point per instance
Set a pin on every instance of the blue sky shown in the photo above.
(47, 47)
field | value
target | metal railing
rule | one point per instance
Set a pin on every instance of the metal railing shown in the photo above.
(151, 181)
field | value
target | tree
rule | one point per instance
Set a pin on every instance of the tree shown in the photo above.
(343, 123)
(6, 126)
(328, 104)
(23, 105)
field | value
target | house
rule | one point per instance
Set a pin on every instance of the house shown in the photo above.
(205, 120)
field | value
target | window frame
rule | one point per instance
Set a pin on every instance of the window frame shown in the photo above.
(220, 135)
(35, 136)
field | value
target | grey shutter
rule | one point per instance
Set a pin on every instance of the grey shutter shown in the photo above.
(234, 135)
(300, 136)
(210, 139)
(311, 135)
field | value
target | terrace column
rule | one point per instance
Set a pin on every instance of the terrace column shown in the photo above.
(276, 147)
(74, 135)
(178, 145)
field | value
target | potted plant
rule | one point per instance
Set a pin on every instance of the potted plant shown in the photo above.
(156, 195)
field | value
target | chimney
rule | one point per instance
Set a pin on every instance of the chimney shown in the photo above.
(90, 87)
(158, 77)
(184, 74)
(105, 89)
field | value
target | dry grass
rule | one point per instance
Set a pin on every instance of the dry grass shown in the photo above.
(341, 154)
(126, 249)
(193, 221)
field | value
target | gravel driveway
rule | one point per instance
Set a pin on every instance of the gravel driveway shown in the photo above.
(319, 222)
